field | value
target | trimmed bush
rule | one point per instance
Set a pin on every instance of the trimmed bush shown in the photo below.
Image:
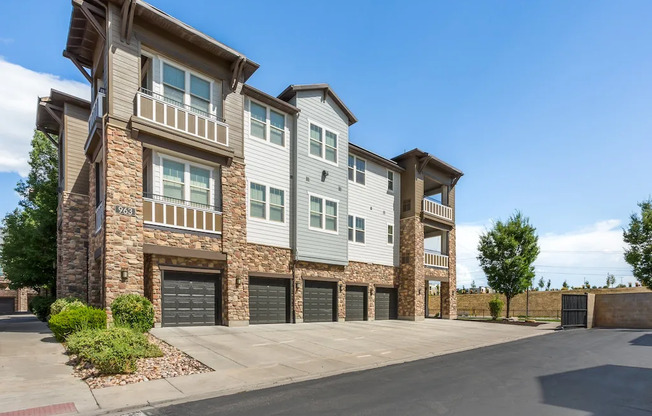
(133, 311)
(40, 306)
(64, 304)
(65, 323)
(495, 307)
(112, 351)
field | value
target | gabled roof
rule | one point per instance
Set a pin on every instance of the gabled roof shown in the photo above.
(426, 157)
(291, 91)
(261, 96)
(368, 154)
(50, 110)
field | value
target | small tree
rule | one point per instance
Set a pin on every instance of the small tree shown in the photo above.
(495, 307)
(541, 283)
(564, 285)
(473, 286)
(548, 284)
(611, 279)
(507, 252)
(639, 238)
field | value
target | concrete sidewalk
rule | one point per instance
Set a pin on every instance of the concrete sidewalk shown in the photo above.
(256, 357)
(33, 370)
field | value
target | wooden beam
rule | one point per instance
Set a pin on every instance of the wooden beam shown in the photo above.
(74, 60)
(52, 113)
(130, 22)
(54, 142)
(98, 28)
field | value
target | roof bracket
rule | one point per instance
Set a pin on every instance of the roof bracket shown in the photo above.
(79, 66)
(50, 110)
(51, 139)
(128, 11)
(93, 21)
(423, 162)
(238, 66)
(457, 178)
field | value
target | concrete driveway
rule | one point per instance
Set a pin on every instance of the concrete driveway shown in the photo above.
(33, 370)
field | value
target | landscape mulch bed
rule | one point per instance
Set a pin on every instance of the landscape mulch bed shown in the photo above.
(173, 363)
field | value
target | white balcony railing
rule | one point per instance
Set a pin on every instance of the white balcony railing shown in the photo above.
(185, 215)
(433, 258)
(97, 111)
(177, 116)
(99, 216)
(437, 209)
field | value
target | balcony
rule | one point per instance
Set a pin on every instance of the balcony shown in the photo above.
(184, 215)
(97, 110)
(180, 117)
(437, 210)
(433, 258)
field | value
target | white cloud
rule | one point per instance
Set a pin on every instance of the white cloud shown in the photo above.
(587, 253)
(20, 89)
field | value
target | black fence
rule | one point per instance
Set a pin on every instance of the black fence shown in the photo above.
(574, 311)
(532, 313)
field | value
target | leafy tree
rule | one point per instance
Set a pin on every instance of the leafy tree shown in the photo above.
(564, 285)
(473, 286)
(611, 279)
(639, 238)
(28, 254)
(548, 284)
(506, 254)
(541, 283)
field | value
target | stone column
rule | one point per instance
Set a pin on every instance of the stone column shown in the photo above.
(123, 167)
(412, 270)
(235, 282)
(449, 289)
(72, 237)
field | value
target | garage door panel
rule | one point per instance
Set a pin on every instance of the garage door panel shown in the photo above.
(386, 303)
(356, 303)
(319, 301)
(189, 299)
(269, 300)
(7, 305)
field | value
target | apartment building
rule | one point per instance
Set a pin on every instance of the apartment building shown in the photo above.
(227, 205)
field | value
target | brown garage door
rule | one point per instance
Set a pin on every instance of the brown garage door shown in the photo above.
(386, 303)
(190, 299)
(319, 301)
(7, 305)
(356, 303)
(269, 300)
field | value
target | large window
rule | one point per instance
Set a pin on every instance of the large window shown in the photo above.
(323, 143)
(267, 124)
(356, 229)
(183, 88)
(184, 182)
(357, 169)
(266, 203)
(323, 214)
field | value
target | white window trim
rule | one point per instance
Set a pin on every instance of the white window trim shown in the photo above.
(393, 233)
(337, 217)
(323, 144)
(393, 181)
(355, 169)
(268, 125)
(187, 71)
(266, 220)
(354, 230)
(186, 178)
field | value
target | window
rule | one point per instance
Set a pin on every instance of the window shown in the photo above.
(357, 169)
(183, 88)
(323, 143)
(390, 234)
(259, 207)
(390, 181)
(323, 214)
(266, 123)
(183, 182)
(356, 229)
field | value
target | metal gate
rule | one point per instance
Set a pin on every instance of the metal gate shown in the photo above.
(574, 311)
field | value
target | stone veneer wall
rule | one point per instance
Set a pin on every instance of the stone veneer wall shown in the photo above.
(95, 244)
(411, 291)
(371, 274)
(123, 234)
(181, 238)
(72, 240)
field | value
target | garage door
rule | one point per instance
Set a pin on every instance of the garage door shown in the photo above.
(6, 305)
(356, 303)
(319, 301)
(269, 300)
(190, 298)
(386, 303)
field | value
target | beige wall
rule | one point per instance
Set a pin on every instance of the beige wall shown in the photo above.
(623, 310)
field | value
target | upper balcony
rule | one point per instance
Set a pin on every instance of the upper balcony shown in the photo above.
(437, 210)
(181, 117)
(97, 110)
(435, 258)
(184, 215)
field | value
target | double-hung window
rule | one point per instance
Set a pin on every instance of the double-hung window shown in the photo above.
(267, 124)
(186, 183)
(266, 203)
(390, 234)
(357, 169)
(390, 181)
(323, 143)
(183, 88)
(356, 229)
(323, 214)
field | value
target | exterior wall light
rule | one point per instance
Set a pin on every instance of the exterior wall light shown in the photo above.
(297, 285)
(124, 274)
(341, 287)
(371, 290)
(238, 281)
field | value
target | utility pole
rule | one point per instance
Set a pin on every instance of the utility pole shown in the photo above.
(527, 303)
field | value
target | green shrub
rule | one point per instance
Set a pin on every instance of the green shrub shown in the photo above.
(133, 311)
(112, 351)
(495, 307)
(64, 304)
(65, 323)
(40, 306)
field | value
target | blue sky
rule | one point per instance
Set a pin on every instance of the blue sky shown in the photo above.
(544, 105)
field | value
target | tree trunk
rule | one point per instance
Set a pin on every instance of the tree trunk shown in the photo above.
(509, 298)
